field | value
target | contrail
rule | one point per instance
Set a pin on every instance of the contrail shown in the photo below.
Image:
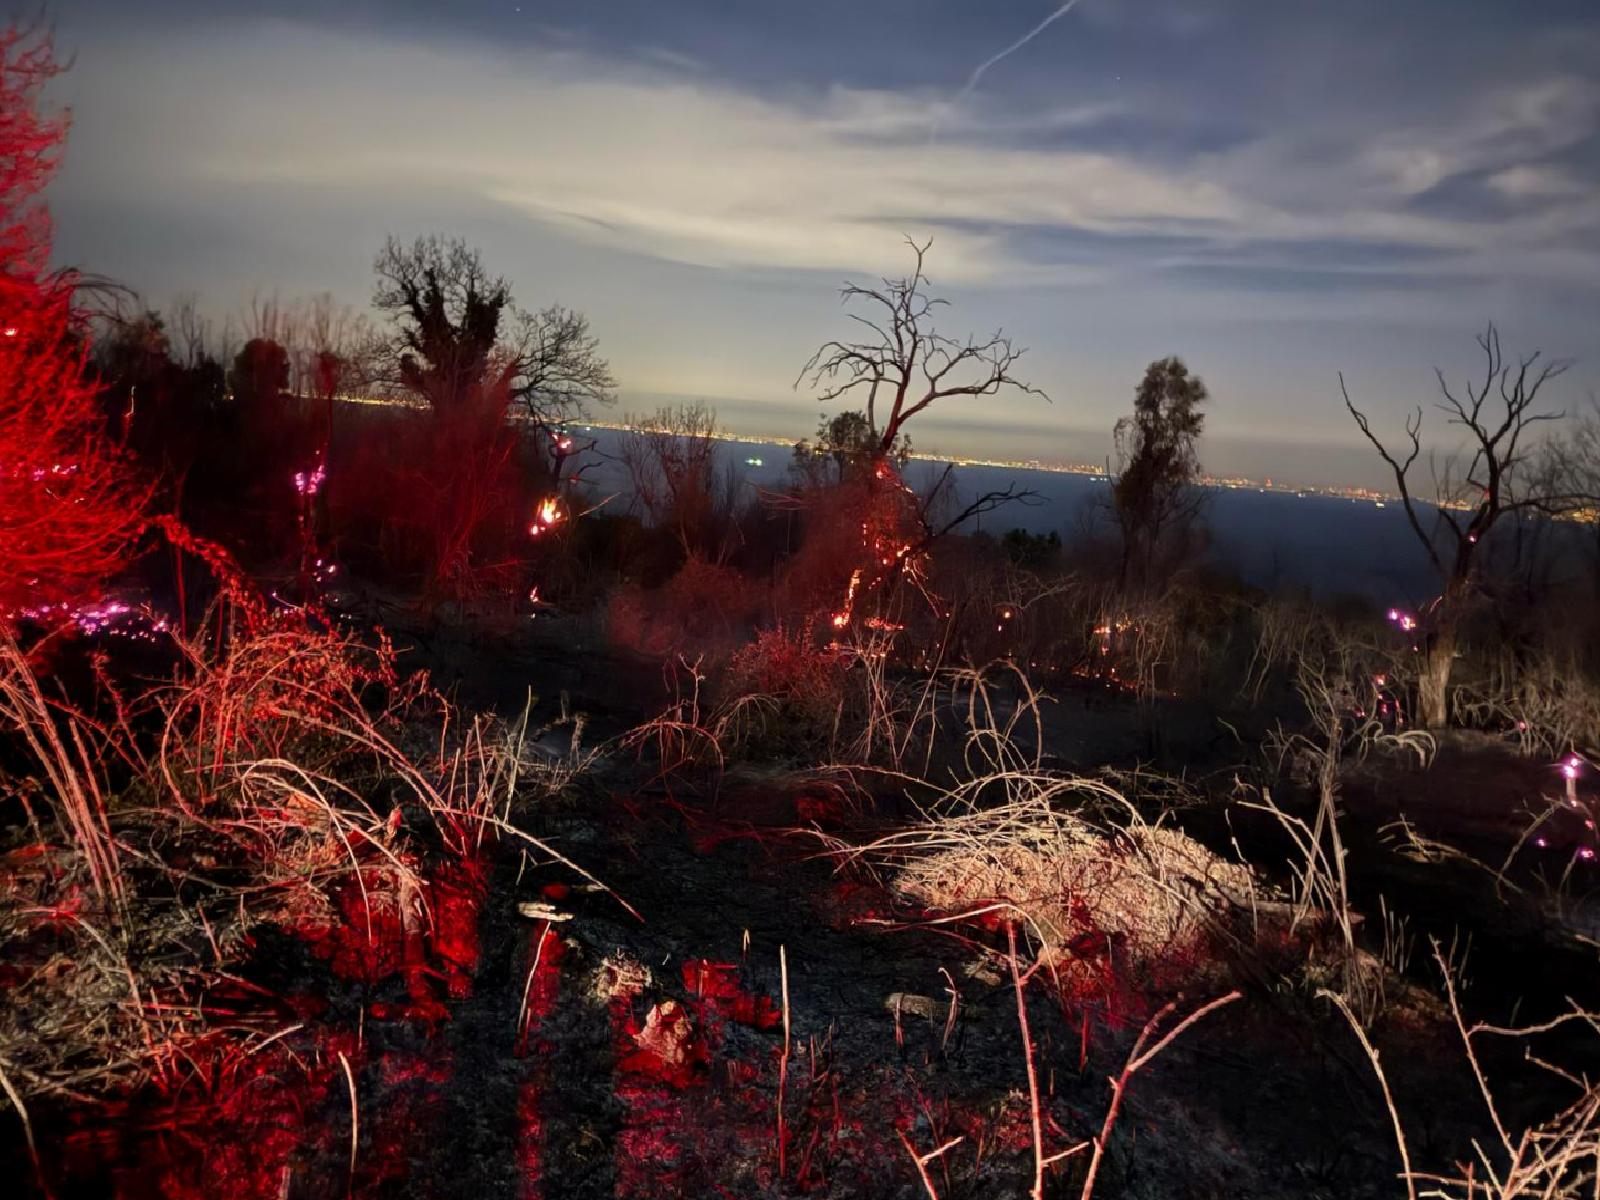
(977, 74)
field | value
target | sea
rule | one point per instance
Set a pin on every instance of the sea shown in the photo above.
(1311, 542)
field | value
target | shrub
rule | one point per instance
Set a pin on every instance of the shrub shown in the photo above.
(70, 507)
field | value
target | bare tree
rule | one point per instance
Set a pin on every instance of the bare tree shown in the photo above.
(335, 347)
(1497, 410)
(462, 343)
(907, 365)
(189, 331)
(268, 320)
(555, 372)
(557, 364)
(335, 351)
(671, 459)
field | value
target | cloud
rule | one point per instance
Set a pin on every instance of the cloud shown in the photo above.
(1537, 182)
(630, 156)
(1530, 120)
(642, 155)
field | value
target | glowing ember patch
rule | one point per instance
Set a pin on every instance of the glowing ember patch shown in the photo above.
(546, 516)
(842, 617)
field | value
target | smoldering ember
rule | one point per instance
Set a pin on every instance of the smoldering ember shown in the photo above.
(870, 598)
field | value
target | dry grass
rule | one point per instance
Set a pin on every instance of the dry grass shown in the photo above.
(282, 762)
(1549, 702)
(1333, 673)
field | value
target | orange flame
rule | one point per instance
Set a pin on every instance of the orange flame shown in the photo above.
(548, 514)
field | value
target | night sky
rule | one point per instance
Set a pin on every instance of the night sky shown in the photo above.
(1274, 189)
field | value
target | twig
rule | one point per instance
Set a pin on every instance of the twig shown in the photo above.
(1017, 980)
(921, 1161)
(355, 1123)
(527, 986)
(1383, 1082)
(783, 1066)
(1138, 1058)
(27, 1127)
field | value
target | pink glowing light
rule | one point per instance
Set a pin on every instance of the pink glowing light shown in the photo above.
(309, 483)
(103, 616)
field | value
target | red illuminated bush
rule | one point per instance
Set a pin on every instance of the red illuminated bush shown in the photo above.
(69, 511)
(700, 610)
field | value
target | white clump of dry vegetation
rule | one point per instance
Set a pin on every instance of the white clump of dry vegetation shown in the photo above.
(1068, 857)
(1149, 888)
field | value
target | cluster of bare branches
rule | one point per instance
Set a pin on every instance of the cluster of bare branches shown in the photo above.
(1499, 413)
(1555, 1159)
(907, 365)
(1547, 702)
(672, 463)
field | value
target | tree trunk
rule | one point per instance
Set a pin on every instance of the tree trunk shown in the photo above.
(1433, 688)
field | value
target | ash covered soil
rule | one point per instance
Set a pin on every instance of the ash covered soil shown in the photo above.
(575, 1048)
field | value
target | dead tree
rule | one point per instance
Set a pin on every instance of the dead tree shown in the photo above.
(555, 373)
(907, 365)
(671, 460)
(1496, 411)
(903, 367)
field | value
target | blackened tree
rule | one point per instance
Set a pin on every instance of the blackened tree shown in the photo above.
(463, 349)
(554, 373)
(260, 372)
(446, 309)
(671, 460)
(462, 343)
